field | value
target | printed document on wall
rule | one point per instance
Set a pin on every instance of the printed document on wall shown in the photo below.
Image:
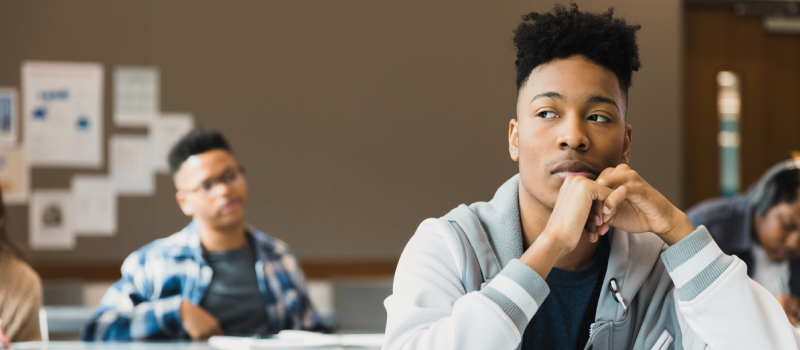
(131, 165)
(165, 132)
(50, 220)
(14, 176)
(62, 111)
(95, 208)
(136, 95)
(8, 117)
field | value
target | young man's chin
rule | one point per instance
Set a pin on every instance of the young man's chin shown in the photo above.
(227, 222)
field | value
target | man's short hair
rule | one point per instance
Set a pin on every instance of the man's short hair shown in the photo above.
(196, 142)
(609, 42)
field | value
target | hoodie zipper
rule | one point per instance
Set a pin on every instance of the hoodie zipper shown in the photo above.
(594, 329)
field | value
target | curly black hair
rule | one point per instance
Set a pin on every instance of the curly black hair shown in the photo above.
(609, 42)
(198, 141)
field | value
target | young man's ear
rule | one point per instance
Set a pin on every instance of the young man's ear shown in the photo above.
(513, 139)
(626, 148)
(184, 204)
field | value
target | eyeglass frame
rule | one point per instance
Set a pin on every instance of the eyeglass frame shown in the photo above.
(238, 174)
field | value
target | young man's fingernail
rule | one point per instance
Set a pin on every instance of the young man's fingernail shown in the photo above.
(606, 210)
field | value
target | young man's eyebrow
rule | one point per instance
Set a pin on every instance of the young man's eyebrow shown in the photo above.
(602, 99)
(550, 94)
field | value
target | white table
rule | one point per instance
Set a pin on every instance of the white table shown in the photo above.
(77, 345)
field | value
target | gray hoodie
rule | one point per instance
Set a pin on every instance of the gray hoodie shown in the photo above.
(459, 285)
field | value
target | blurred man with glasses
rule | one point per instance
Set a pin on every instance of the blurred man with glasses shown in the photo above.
(215, 277)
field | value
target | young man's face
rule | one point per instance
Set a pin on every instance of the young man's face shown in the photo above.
(778, 231)
(211, 188)
(570, 121)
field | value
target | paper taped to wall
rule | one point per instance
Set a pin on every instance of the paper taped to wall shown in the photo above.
(165, 132)
(50, 218)
(14, 176)
(8, 117)
(136, 95)
(131, 165)
(95, 208)
(62, 110)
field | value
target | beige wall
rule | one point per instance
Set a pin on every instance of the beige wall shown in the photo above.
(356, 119)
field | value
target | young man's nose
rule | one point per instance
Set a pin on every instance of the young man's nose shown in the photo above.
(573, 134)
(793, 241)
(219, 188)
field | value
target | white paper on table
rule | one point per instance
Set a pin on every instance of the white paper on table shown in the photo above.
(95, 209)
(293, 339)
(8, 117)
(131, 165)
(62, 111)
(165, 132)
(14, 176)
(283, 340)
(362, 340)
(51, 220)
(136, 95)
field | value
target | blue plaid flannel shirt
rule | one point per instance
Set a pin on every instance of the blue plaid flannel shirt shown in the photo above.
(145, 303)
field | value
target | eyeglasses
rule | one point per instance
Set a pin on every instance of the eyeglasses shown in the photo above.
(230, 178)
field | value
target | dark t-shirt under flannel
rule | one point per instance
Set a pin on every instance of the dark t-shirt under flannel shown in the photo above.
(233, 296)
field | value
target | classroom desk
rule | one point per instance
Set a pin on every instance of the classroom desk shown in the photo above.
(77, 345)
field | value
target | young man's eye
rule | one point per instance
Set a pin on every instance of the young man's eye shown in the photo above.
(599, 118)
(546, 115)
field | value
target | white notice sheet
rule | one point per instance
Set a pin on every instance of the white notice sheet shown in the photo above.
(8, 117)
(14, 176)
(62, 112)
(165, 132)
(136, 95)
(131, 165)
(95, 208)
(50, 220)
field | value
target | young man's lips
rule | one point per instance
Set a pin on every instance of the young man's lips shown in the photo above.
(564, 174)
(231, 206)
(573, 167)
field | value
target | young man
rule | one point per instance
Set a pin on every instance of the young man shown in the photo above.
(215, 277)
(762, 227)
(577, 251)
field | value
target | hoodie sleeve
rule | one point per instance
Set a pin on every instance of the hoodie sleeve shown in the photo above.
(429, 308)
(718, 304)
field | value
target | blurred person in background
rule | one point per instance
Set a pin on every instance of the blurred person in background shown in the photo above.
(217, 276)
(20, 291)
(762, 227)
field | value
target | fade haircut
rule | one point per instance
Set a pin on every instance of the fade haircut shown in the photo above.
(607, 41)
(196, 142)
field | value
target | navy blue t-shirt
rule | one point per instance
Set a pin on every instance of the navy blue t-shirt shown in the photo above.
(564, 318)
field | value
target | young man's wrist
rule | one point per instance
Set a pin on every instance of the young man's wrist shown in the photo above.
(679, 231)
(543, 254)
